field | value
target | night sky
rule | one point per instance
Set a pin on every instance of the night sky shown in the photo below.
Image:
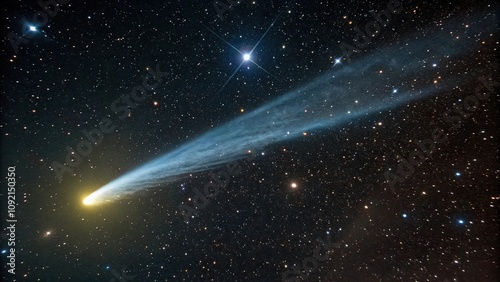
(406, 191)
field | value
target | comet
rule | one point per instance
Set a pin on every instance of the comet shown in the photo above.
(346, 93)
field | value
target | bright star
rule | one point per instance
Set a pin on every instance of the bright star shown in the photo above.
(246, 56)
(461, 221)
(337, 61)
(404, 215)
(32, 28)
(458, 174)
(394, 91)
(47, 234)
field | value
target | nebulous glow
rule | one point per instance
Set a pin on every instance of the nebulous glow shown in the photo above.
(355, 90)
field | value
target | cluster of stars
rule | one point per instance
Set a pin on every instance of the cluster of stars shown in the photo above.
(332, 177)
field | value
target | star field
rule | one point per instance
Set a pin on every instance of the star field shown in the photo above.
(406, 192)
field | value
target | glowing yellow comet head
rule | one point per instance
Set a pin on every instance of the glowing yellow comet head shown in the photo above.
(89, 200)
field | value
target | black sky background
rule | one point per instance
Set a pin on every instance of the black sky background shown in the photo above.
(66, 77)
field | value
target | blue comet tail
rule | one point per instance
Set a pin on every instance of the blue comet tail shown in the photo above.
(349, 91)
